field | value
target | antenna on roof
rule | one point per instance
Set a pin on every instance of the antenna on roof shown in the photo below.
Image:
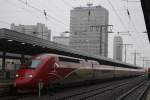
(89, 4)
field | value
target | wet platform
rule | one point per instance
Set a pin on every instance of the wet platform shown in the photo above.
(148, 96)
(5, 86)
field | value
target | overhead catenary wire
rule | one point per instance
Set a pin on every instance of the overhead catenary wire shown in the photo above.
(56, 14)
(117, 14)
(77, 2)
(131, 20)
(66, 3)
(46, 10)
(123, 22)
(3, 22)
(132, 1)
(41, 11)
(29, 11)
(133, 25)
(130, 17)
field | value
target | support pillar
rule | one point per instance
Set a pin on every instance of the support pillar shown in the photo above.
(22, 60)
(4, 64)
(3, 61)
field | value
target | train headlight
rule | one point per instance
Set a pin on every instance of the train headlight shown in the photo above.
(28, 76)
(17, 75)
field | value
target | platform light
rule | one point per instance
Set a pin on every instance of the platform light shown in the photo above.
(34, 45)
(22, 43)
(10, 40)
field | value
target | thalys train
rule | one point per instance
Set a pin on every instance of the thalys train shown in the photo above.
(52, 69)
(148, 72)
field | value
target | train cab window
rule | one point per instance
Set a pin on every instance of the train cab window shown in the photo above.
(65, 59)
(32, 63)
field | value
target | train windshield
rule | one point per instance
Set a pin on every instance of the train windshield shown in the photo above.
(31, 63)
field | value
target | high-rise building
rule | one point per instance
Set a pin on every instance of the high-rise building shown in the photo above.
(118, 48)
(38, 30)
(63, 39)
(88, 28)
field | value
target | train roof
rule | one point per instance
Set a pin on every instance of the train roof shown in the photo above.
(101, 60)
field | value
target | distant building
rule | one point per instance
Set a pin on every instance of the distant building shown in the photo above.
(38, 30)
(87, 31)
(63, 39)
(118, 48)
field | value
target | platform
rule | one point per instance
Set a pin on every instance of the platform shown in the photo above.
(5, 86)
(148, 96)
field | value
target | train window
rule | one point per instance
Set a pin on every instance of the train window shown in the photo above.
(69, 60)
(31, 63)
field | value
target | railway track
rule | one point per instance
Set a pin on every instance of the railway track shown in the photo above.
(96, 92)
(15, 97)
(93, 92)
(136, 93)
(11, 94)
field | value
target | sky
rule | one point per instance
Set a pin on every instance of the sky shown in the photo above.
(30, 12)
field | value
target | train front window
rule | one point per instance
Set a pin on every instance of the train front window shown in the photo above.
(31, 63)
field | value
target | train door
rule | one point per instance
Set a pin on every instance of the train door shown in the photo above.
(52, 73)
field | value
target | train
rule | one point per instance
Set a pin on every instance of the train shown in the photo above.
(53, 69)
(148, 72)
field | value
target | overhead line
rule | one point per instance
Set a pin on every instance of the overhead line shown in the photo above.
(4, 22)
(15, 5)
(133, 25)
(121, 20)
(117, 14)
(41, 11)
(66, 3)
(49, 10)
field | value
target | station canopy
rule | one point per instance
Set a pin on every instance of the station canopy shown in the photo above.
(146, 11)
(19, 43)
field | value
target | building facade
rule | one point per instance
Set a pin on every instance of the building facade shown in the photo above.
(88, 30)
(118, 48)
(38, 30)
(63, 39)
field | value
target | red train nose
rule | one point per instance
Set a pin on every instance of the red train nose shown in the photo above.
(22, 82)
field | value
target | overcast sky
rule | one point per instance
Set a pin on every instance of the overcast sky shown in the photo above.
(58, 11)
